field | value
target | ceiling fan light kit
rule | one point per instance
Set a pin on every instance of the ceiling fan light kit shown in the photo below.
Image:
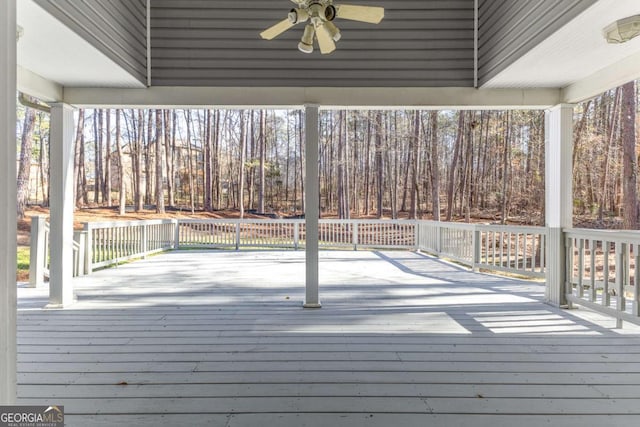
(306, 44)
(321, 28)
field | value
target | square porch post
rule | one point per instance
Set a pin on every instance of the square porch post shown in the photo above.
(312, 205)
(62, 203)
(558, 197)
(8, 197)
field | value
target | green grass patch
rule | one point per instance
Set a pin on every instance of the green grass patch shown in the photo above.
(22, 273)
(23, 258)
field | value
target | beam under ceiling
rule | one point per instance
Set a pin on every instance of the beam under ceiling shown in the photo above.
(355, 98)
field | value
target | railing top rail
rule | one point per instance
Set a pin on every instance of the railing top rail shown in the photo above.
(127, 223)
(486, 227)
(293, 221)
(454, 225)
(368, 221)
(624, 236)
(512, 228)
(239, 221)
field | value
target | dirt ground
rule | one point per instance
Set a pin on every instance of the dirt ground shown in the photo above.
(112, 214)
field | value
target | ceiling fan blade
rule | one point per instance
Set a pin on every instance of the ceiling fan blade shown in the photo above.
(370, 14)
(276, 30)
(325, 41)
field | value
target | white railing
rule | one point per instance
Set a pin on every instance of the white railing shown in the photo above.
(110, 243)
(39, 259)
(602, 271)
(239, 233)
(602, 267)
(392, 234)
(511, 249)
(259, 233)
(519, 250)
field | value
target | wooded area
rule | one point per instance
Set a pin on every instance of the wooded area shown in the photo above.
(449, 165)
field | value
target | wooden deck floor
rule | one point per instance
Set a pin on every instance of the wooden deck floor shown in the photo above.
(220, 339)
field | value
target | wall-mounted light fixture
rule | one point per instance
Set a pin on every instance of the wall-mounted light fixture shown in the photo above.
(622, 30)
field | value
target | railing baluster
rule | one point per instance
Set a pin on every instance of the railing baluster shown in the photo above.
(580, 268)
(636, 272)
(620, 261)
(606, 297)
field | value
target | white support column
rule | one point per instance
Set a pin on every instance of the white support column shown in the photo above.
(559, 196)
(61, 202)
(8, 199)
(312, 205)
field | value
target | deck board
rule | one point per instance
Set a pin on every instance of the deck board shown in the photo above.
(220, 338)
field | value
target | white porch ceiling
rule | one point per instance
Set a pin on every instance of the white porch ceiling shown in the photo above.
(50, 49)
(208, 51)
(575, 52)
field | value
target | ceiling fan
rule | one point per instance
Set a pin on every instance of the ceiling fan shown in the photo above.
(320, 14)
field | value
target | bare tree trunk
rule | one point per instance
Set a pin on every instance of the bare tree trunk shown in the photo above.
(241, 165)
(25, 160)
(343, 209)
(415, 148)
(216, 159)
(451, 185)
(250, 164)
(170, 119)
(394, 185)
(207, 162)
(469, 165)
(263, 152)
(106, 196)
(435, 167)
(613, 121)
(77, 175)
(139, 137)
(302, 157)
(629, 159)
(44, 171)
(367, 167)
(506, 167)
(97, 157)
(288, 167)
(579, 131)
(122, 190)
(379, 164)
(138, 179)
(187, 114)
(159, 160)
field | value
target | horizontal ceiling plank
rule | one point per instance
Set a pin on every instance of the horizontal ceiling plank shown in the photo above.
(160, 26)
(365, 74)
(317, 83)
(175, 17)
(286, 4)
(369, 45)
(318, 63)
(217, 34)
(289, 53)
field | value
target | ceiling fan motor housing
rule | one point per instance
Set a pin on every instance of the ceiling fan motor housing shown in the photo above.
(330, 12)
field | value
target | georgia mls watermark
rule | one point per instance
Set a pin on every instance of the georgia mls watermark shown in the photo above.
(31, 416)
